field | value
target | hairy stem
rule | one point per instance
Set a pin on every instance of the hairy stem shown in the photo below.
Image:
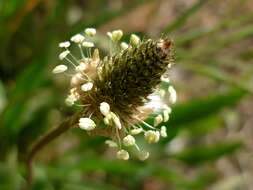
(43, 141)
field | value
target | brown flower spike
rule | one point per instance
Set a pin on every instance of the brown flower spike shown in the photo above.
(120, 90)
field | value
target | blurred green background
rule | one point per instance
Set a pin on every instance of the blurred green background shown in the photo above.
(209, 144)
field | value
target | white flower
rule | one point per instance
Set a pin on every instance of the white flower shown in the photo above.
(90, 32)
(163, 131)
(60, 69)
(166, 115)
(111, 143)
(136, 131)
(78, 38)
(88, 44)
(122, 154)
(116, 120)
(104, 108)
(129, 140)
(63, 54)
(158, 120)
(81, 67)
(173, 94)
(116, 35)
(123, 45)
(152, 136)
(134, 40)
(64, 44)
(87, 86)
(70, 100)
(143, 155)
(86, 124)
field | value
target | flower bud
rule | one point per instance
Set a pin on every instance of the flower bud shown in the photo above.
(86, 124)
(152, 136)
(104, 108)
(129, 140)
(122, 154)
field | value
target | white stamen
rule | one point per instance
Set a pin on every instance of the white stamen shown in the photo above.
(86, 124)
(158, 120)
(136, 131)
(163, 131)
(90, 32)
(173, 94)
(123, 154)
(87, 86)
(81, 67)
(129, 140)
(123, 45)
(63, 54)
(60, 69)
(116, 35)
(70, 100)
(116, 120)
(64, 44)
(166, 115)
(104, 108)
(143, 155)
(152, 136)
(134, 40)
(88, 44)
(78, 38)
(111, 143)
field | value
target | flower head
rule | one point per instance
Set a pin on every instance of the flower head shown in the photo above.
(119, 91)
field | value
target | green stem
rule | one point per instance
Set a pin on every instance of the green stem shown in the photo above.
(43, 141)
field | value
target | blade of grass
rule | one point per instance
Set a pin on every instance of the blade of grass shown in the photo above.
(178, 22)
(199, 154)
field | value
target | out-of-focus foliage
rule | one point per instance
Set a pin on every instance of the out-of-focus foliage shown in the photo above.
(209, 143)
